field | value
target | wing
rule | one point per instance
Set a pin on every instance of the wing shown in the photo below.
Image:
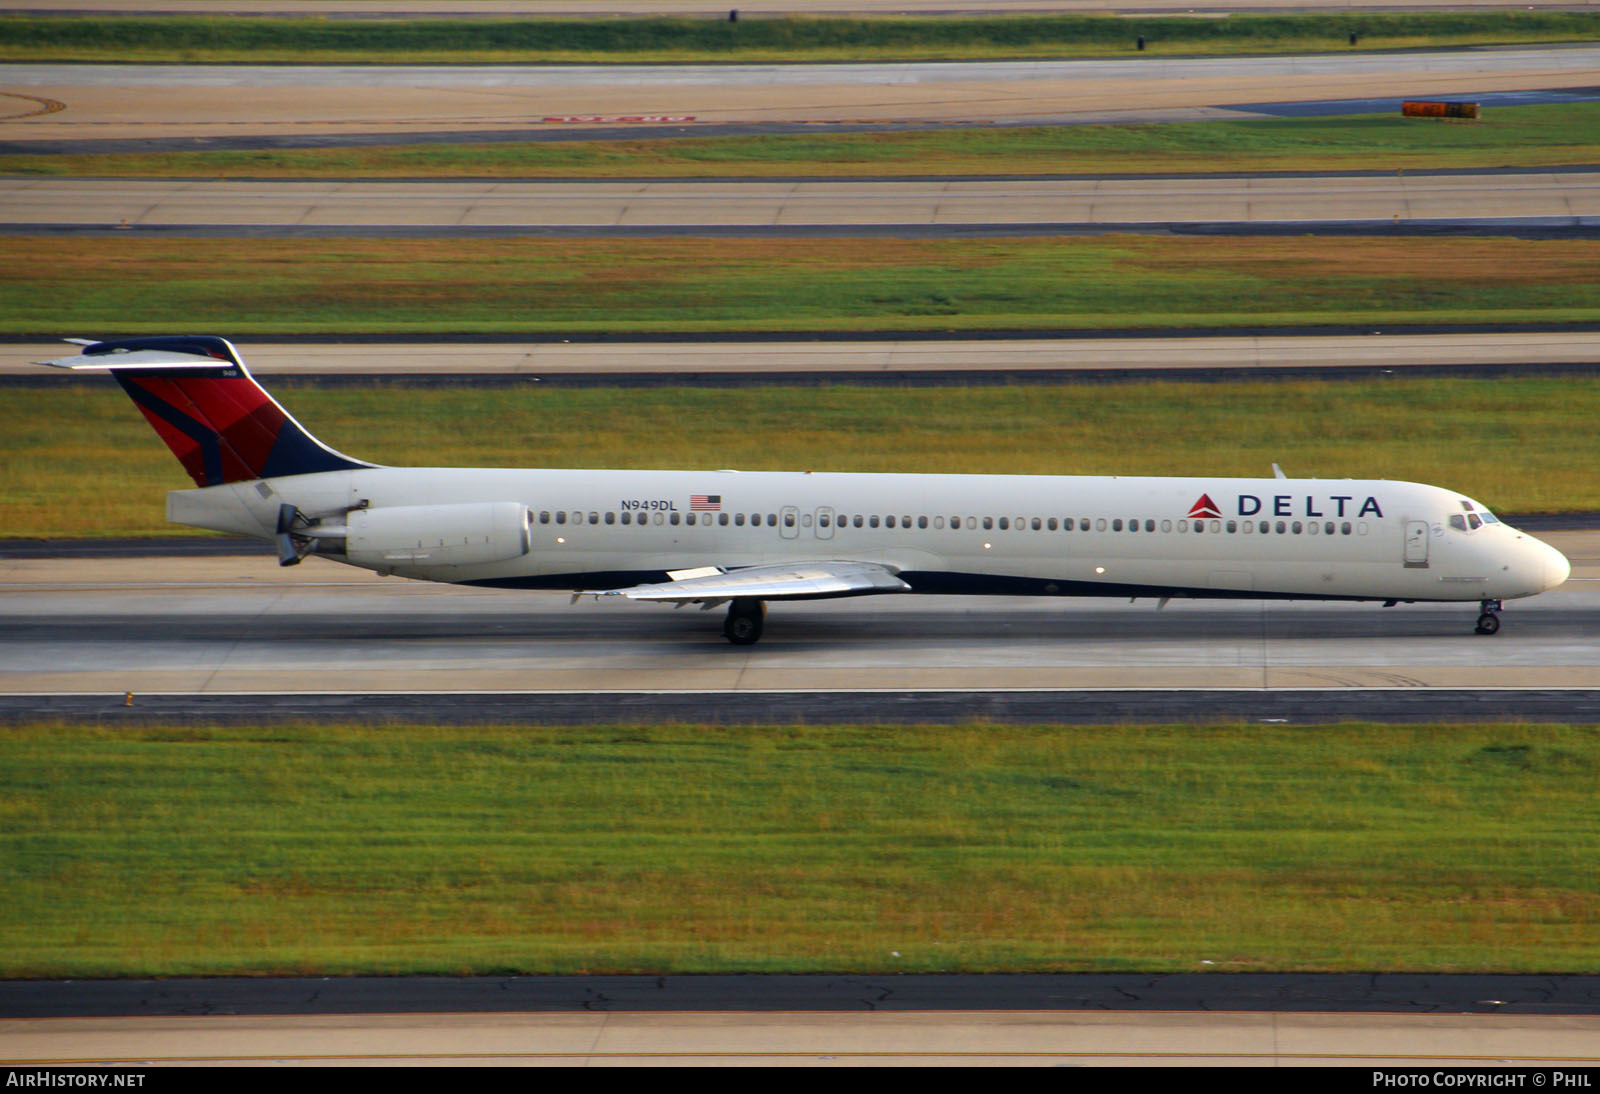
(779, 581)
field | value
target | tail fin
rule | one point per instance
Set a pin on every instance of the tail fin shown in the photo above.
(218, 421)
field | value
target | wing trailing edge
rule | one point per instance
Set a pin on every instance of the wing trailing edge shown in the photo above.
(778, 581)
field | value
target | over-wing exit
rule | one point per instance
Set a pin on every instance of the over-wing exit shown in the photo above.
(741, 539)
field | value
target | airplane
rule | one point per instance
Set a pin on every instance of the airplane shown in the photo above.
(746, 538)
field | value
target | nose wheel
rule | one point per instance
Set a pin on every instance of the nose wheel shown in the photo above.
(1489, 621)
(745, 619)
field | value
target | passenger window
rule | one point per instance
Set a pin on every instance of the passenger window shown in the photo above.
(805, 520)
(822, 519)
(922, 522)
(1233, 526)
(1327, 527)
(689, 520)
(1314, 528)
(1005, 523)
(1282, 527)
(1149, 526)
(1116, 525)
(856, 520)
(561, 517)
(888, 522)
(1166, 526)
(1068, 523)
(1344, 529)
(1199, 526)
(722, 519)
(1100, 524)
(1183, 526)
(1037, 524)
(1133, 526)
(673, 519)
(1050, 525)
(594, 518)
(1297, 528)
(544, 516)
(788, 520)
(611, 518)
(873, 521)
(938, 523)
(1022, 523)
(772, 520)
(738, 519)
(905, 522)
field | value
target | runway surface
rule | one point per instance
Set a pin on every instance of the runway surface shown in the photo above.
(688, 207)
(81, 102)
(917, 361)
(242, 624)
(939, 1038)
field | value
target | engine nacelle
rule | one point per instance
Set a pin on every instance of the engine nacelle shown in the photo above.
(437, 535)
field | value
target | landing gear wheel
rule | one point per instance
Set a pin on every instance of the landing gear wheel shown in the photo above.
(1489, 621)
(745, 620)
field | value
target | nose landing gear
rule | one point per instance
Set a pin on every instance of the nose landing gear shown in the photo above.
(745, 618)
(1489, 621)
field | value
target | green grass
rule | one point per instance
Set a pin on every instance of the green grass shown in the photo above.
(1523, 136)
(435, 41)
(290, 850)
(83, 462)
(261, 286)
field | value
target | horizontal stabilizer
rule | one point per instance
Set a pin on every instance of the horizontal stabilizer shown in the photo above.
(140, 359)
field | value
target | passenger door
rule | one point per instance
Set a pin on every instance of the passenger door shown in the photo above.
(1416, 549)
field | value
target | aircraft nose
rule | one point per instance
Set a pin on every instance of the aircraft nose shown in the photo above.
(1556, 567)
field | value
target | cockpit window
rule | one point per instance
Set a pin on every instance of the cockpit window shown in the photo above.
(1474, 522)
(1488, 517)
(1458, 522)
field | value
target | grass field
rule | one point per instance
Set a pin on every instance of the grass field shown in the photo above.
(1521, 136)
(52, 287)
(83, 462)
(398, 849)
(445, 41)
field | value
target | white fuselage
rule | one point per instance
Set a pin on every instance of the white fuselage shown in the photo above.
(1320, 538)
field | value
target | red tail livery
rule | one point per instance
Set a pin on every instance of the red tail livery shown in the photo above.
(218, 421)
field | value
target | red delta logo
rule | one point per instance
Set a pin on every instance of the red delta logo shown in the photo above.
(1205, 507)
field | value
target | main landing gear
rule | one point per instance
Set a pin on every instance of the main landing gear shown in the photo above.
(1489, 621)
(745, 618)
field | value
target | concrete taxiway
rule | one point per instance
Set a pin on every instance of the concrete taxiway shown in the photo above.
(83, 102)
(1058, 358)
(243, 624)
(1569, 196)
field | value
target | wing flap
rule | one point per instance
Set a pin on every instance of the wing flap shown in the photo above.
(780, 581)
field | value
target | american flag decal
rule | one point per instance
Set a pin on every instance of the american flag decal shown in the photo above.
(705, 503)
